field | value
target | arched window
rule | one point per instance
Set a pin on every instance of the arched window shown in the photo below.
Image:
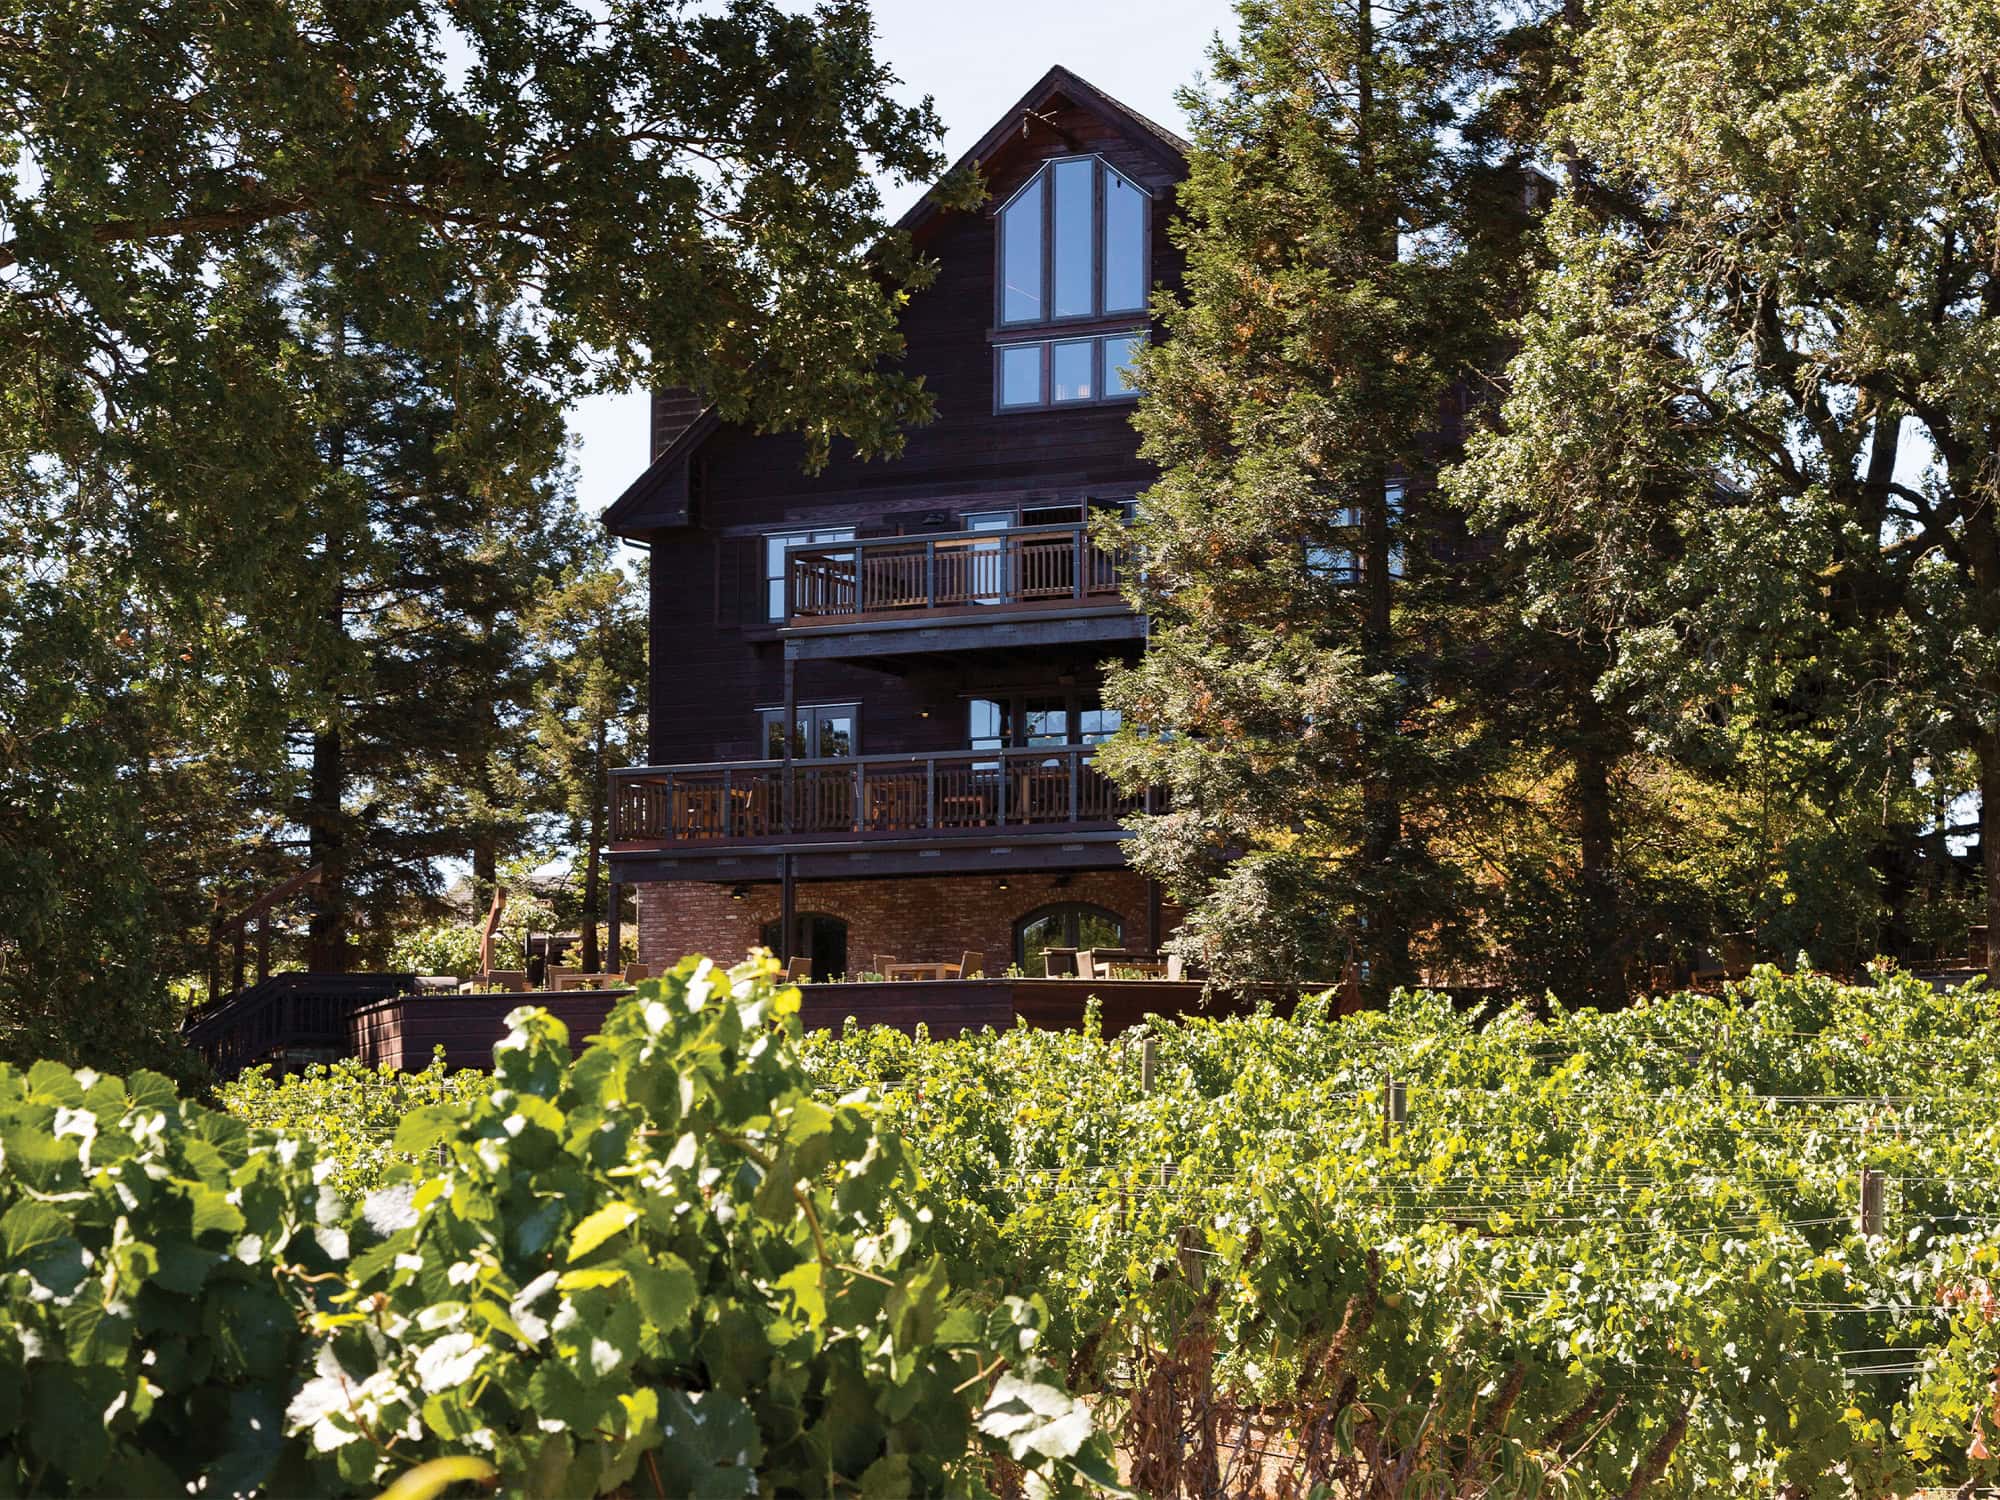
(1068, 924)
(1072, 244)
(816, 936)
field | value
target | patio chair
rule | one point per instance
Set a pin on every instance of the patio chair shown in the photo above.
(799, 968)
(638, 973)
(513, 981)
(1086, 964)
(883, 962)
(1176, 967)
(968, 965)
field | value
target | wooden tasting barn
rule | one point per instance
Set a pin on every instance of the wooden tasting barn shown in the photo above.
(874, 690)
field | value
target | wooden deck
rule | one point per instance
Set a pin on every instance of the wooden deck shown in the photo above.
(968, 794)
(403, 1031)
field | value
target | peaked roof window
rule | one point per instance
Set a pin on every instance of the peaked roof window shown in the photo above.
(1072, 244)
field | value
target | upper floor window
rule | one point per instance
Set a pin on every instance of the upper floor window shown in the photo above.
(1340, 564)
(1072, 244)
(775, 563)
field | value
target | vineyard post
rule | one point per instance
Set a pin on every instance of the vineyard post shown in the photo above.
(1872, 1184)
(1395, 1105)
(1148, 1062)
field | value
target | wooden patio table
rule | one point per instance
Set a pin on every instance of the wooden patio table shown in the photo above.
(917, 971)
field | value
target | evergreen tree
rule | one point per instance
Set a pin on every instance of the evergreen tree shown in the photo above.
(589, 629)
(672, 193)
(445, 512)
(1302, 586)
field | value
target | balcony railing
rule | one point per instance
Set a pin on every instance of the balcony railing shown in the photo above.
(961, 573)
(870, 796)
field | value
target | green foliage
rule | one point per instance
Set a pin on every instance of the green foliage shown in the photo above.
(347, 1112)
(1747, 438)
(1599, 1240)
(281, 371)
(447, 948)
(1336, 225)
(662, 1268)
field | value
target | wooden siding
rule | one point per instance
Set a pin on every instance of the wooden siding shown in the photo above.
(717, 660)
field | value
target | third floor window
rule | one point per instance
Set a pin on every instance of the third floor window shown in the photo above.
(1072, 244)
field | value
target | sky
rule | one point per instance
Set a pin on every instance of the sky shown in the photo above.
(974, 61)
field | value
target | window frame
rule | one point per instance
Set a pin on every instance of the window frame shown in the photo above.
(796, 536)
(1102, 395)
(1014, 717)
(810, 712)
(1073, 912)
(1045, 174)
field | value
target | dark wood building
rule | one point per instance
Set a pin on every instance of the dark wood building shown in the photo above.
(931, 629)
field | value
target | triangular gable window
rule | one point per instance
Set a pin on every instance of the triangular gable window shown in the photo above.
(1072, 244)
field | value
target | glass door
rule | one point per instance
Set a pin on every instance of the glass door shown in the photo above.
(986, 562)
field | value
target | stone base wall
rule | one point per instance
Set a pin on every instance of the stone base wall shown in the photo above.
(919, 919)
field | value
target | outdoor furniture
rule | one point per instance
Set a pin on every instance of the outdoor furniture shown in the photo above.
(968, 965)
(513, 981)
(882, 963)
(1097, 963)
(1059, 963)
(556, 976)
(436, 984)
(638, 973)
(919, 971)
(799, 968)
(1176, 968)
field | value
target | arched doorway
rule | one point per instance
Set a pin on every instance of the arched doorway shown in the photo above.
(816, 936)
(1067, 924)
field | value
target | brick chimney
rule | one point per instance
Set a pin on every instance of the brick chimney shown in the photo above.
(674, 411)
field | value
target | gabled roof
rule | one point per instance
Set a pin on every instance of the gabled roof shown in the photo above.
(1057, 83)
(658, 497)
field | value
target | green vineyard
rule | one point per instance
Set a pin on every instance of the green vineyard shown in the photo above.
(1712, 1245)
(1731, 1246)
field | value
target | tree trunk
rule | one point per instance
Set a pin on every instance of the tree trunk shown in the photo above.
(326, 831)
(1598, 875)
(1387, 941)
(593, 832)
(485, 864)
(326, 935)
(1989, 847)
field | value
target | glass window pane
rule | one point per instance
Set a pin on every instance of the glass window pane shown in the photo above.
(836, 733)
(1037, 937)
(1021, 375)
(1118, 354)
(1071, 367)
(774, 573)
(1096, 725)
(985, 725)
(1124, 245)
(1095, 930)
(1073, 237)
(1021, 256)
(1047, 722)
(989, 520)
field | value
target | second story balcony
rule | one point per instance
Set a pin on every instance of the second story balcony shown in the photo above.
(956, 577)
(914, 799)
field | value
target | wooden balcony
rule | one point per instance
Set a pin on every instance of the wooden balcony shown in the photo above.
(960, 576)
(870, 798)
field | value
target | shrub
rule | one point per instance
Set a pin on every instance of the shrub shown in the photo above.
(663, 1265)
